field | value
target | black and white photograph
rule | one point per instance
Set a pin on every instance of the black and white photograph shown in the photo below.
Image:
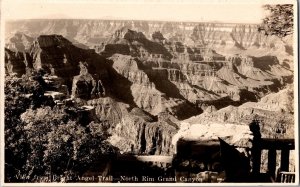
(152, 92)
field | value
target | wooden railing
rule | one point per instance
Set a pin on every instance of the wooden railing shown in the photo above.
(286, 177)
(272, 145)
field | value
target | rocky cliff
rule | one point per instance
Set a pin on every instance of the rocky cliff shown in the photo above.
(58, 56)
(133, 130)
(19, 42)
(17, 62)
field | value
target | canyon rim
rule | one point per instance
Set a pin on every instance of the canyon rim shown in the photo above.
(98, 92)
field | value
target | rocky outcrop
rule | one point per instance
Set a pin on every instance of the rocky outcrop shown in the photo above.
(111, 49)
(140, 137)
(53, 53)
(19, 42)
(17, 62)
(158, 37)
(136, 42)
(85, 86)
(44, 41)
(134, 131)
(59, 57)
(281, 101)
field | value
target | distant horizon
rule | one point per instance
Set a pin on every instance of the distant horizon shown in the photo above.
(116, 19)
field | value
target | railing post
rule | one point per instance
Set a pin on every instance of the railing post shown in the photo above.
(256, 147)
(272, 162)
(256, 158)
(285, 155)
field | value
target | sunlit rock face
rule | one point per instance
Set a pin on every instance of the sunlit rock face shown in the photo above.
(233, 134)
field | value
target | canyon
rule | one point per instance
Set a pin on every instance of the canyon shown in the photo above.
(155, 81)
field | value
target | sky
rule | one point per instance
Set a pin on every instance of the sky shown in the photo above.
(229, 11)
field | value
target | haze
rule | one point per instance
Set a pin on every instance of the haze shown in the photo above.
(234, 12)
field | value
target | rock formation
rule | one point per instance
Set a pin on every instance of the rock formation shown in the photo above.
(17, 62)
(85, 86)
(133, 130)
(19, 42)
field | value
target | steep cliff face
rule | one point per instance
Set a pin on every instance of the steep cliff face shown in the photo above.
(142, 90)
(243, 39)
(133, 130)
(241, 36)
(236, 135)
(138, 136)
(149, 89)
(136, 43)
(85, 86)
(17, 62)
(58, 56)
(51, 53)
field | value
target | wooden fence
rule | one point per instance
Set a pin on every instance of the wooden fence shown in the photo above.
(272, 145)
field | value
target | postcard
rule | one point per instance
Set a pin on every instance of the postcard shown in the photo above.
(156, 92)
